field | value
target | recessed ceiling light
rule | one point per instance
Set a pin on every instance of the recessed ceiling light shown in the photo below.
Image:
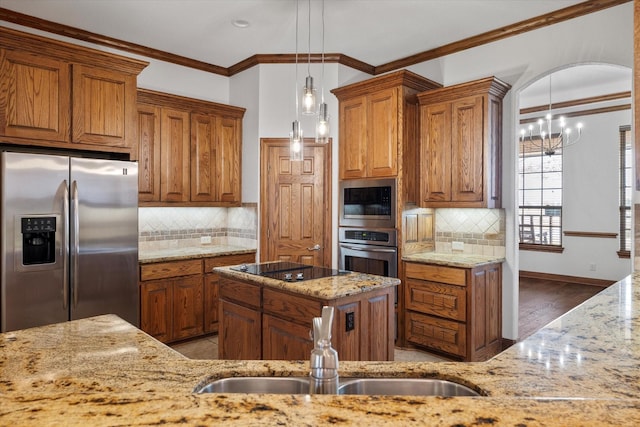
(240, 23)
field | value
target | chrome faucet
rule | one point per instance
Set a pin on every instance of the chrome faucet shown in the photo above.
(323, 378)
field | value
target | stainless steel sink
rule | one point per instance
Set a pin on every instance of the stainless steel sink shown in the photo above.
(361, 386)
(273, 385)
(404, 386)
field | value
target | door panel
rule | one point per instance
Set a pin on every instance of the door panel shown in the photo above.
(296, 213)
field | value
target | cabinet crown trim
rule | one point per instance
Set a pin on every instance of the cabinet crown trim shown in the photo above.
(146, 96)
(399, 78)
(491, 85)
(42, 46)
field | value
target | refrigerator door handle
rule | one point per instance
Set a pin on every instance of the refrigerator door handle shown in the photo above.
(76, 242)
(65, 246)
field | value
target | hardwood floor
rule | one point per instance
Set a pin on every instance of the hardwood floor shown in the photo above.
(542, 301)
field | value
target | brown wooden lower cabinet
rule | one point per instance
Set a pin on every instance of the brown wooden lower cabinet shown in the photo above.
(453, 310)
(179, 299)
(282, 321)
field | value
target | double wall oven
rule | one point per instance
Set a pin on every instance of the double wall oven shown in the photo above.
(367, 236)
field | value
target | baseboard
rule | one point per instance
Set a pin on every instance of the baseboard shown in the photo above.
(569, 279)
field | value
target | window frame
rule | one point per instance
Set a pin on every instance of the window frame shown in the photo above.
(625, 221)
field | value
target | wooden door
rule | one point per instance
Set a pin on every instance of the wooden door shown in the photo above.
(284, 340)
(353, 137)
(174, 155)
(382, 134)
(156, 301)
(148, 153)
(239, 333)
(435, 152)
(104, 107)
(467, 149)
(34, 97)
(228, 159)
(295, 203)
(203, 162)
(188, 307)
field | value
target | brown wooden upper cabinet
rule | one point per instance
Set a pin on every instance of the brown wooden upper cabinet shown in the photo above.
(461, 145)
(56, 94)
(189, 151)
(377, 125)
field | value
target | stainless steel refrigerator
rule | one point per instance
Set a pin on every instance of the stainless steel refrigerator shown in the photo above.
(69, 239)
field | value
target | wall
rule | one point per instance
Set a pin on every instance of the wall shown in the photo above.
(590, 204)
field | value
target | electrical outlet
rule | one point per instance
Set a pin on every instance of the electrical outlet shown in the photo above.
(350, 321)
(457, 246)
(205, 240)
(592, 266)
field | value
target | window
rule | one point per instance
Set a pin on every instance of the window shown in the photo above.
(626, 179)
(540, 197)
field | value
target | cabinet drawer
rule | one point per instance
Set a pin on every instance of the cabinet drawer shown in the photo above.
(439, 334)
(242, 293)
(437, 298)
(290, 307)
(436, 273)
(165, 270)
(221, 261)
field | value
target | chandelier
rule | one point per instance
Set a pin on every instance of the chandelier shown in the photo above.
(548, 139)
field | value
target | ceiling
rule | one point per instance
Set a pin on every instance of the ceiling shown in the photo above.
(373, 31)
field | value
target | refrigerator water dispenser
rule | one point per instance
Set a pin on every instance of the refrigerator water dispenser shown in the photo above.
(38, 240)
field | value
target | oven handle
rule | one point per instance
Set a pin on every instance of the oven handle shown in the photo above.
(355, 248)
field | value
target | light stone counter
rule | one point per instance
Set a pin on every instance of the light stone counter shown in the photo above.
(452, 259)
(189, 252)
(582, 369)
(327, 288)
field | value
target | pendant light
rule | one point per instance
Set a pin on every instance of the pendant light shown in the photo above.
(295, 136)
(309, 92)
(322, 124)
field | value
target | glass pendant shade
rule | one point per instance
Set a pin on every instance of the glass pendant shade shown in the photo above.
(296, 142)
(308, 97)
(323, 125)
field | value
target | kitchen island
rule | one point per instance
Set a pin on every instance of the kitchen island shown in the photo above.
(582, 369)
(267, 311)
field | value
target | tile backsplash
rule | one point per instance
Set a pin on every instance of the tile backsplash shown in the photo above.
(179, 227)
(481, 231)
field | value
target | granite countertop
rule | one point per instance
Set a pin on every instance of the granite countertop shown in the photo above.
(582, 369)
(327, 288)
(453, 259)
(190, 252)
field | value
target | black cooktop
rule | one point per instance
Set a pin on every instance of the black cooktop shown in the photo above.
(288, 271)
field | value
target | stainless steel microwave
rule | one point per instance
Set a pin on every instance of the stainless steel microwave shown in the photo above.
(368, 203)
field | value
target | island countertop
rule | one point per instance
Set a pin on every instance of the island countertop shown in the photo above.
(327, 288)
(582, 369)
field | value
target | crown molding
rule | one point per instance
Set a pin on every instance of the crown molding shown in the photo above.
(580, 9)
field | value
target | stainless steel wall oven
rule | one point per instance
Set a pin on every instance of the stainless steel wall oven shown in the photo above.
(368, 251)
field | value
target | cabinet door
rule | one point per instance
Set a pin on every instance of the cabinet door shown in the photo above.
(284, 340)
(174, 155)
(467, 149)
(203, 161)
(156, 298)
(486, 312)
(211, 306)
(34, 97)
(239, 334)
(353, 138)
(382, 134)
(435, 152)
(228, 151)
(104, 107)
(188, 307)
(148, 153)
